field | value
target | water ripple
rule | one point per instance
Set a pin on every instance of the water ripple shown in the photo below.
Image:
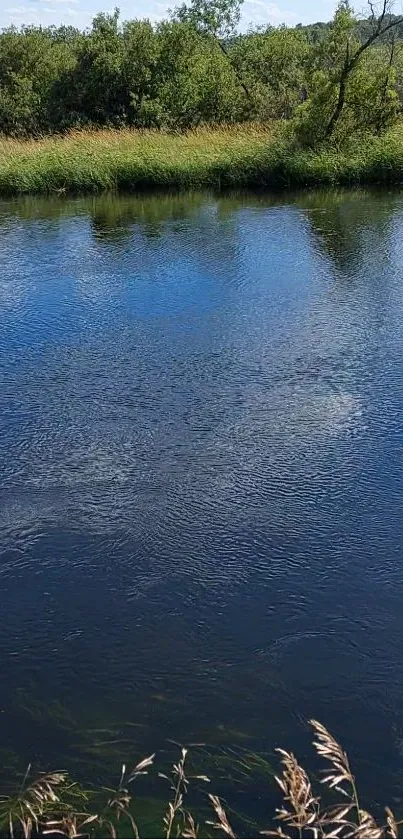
(201, 458)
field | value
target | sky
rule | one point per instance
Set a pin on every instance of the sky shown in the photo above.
(80, 12)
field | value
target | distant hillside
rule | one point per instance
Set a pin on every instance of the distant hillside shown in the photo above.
(316, 31)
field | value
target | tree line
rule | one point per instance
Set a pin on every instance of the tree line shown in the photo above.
(196, 68)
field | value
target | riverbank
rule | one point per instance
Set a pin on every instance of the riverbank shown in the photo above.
(240, 156)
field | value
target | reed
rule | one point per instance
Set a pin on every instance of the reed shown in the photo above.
(52, 805)
(252, 156)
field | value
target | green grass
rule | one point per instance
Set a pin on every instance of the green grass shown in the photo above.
(240, 156)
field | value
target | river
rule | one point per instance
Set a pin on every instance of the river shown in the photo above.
(201, 480)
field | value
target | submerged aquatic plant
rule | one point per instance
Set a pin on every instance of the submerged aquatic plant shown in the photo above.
(45, 806)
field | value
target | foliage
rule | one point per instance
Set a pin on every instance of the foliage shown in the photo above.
(141, 53)
(373, 102)
(218, 18)
(351, 82)
(44, 806)
(272, 63)
(194, 82)
(317, 31)
(195, 68)
(324, 66)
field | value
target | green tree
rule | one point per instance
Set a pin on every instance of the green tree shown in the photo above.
(196, 68)
(335, 80)
(19, 106)
(373, 101)
(193, 82)
(217, 20)
(141, 53)
(272, 63)
(92, 91)
(31, 60)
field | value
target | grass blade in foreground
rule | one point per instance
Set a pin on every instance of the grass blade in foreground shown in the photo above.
(45, 807)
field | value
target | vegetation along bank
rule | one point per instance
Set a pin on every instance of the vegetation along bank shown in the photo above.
(53, 805)
(192, 101)
(235, 157)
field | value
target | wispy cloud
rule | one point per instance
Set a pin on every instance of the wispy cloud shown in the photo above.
(50, 10)
(19, 11)
(39, 12)
(255, 12)
(59, 2)
(261, 12)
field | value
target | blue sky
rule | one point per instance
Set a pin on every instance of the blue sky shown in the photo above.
(80, 12)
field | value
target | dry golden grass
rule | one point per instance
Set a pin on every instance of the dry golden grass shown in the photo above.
(303, 813)
(45, 807)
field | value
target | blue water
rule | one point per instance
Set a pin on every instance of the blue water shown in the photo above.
(201, 493)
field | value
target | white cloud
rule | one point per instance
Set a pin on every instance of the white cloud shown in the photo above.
(46, 12)
(59, 2)
(50, 10)
(255, 12)
(18, 10)
(261, 12)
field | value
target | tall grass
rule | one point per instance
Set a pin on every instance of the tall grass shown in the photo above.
(97, 160)
(238, 156)
(52, 805)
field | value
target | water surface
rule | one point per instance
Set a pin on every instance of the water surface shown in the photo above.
(201, 506)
